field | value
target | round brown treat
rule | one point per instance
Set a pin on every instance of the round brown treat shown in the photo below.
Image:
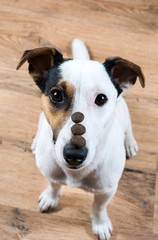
(77, 117)
(78, 141)
(78, 129)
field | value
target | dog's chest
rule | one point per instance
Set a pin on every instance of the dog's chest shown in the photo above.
(91, 182)
(91, 185)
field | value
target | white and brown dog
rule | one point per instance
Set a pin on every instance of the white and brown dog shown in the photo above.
(84, 130)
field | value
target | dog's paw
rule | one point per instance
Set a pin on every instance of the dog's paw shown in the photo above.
(131, 147)
(33, 146)
(102, 230)
(47, 201)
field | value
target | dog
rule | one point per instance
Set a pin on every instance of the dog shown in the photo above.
(84, 131)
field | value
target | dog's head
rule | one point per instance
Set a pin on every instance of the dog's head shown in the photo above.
(79, 99)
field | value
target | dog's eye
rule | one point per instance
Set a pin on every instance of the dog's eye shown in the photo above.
(101, 99)
(56, 95)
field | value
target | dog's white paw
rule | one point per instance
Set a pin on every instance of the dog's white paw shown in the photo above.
(102, 230)
(131, 147)
(33, 146)
(47, 200)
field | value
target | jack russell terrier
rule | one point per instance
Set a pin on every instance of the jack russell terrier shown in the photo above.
(84, 131)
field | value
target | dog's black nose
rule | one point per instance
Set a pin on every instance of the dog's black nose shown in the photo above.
(74, 156)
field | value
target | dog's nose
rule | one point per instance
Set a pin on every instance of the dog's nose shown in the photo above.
(74, 156)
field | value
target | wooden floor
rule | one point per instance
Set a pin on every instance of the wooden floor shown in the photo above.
(110, 28)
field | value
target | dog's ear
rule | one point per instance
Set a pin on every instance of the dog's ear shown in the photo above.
(124, 73)
(40, 61)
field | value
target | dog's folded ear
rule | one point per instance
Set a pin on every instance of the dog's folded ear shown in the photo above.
(40, 61)
(124, 73)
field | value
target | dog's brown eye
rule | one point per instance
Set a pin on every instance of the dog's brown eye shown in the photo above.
(56, 95)
(101, 99)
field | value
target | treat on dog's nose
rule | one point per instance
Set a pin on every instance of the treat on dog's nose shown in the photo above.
(77, 117)
(78, 141)
(78, 129)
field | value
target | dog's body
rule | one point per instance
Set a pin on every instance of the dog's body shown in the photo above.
(99, 175)
(93, 89)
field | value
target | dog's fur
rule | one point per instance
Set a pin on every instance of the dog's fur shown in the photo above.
(108, 127)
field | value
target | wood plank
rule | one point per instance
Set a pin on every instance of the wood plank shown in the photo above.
(25, 224)
(155, 227)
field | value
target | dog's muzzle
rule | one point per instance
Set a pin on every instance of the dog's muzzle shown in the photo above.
(76, 152)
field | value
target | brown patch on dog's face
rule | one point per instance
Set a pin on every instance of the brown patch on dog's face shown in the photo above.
(68, 91)
(58, 112)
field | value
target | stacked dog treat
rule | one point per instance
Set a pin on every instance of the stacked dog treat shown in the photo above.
(77, 130)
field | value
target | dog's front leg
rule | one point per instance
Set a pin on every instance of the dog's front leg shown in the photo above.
(49, 198)
(101, 223)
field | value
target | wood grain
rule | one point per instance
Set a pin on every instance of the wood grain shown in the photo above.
(128, 29)
(155, 227)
